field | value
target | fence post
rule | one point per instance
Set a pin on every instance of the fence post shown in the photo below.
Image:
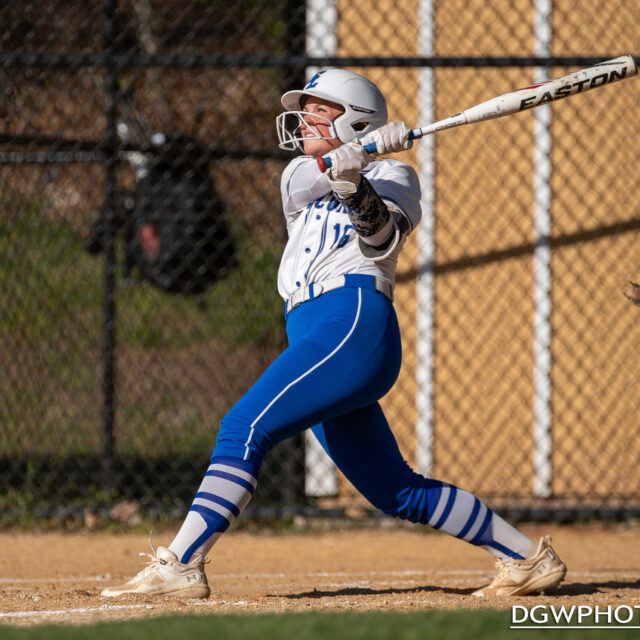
(108, 213)
(293, 449)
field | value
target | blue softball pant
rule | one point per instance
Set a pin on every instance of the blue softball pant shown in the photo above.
(344, 354)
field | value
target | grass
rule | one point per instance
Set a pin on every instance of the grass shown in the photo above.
(51, 332)
(421, 625)
(55, 288)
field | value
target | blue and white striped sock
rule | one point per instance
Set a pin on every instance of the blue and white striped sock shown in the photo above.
(462, 515)
(225, 491)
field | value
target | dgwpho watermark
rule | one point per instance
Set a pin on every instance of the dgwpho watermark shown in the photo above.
(580, 616)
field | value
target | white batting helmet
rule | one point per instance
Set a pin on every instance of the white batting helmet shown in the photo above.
(363, 104)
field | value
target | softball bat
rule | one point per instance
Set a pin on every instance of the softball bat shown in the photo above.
(551, 90)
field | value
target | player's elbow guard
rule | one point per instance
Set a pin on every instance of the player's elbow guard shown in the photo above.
(382, 244)
(380, 225)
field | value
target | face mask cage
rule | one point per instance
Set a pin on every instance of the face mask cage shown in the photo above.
(290, 123)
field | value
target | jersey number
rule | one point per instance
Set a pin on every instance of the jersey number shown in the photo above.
(341, 240)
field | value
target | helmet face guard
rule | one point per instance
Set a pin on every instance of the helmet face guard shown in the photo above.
(365, 108)
(290, 125)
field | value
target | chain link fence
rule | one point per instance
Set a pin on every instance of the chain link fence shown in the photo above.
(141, 229)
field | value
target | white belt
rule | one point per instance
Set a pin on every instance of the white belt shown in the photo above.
(304, 294)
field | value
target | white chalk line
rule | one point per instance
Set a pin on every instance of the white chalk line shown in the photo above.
(102, 578)
(118, 607)
(61, 612)
(255, 576)
(198, 603)
(621, 573)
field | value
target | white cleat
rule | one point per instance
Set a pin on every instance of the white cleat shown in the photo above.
(165, 575)
(520, 577)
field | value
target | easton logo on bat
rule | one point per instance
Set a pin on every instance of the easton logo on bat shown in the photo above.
(570, 89)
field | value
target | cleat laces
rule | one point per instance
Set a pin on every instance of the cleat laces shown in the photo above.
(153, 560)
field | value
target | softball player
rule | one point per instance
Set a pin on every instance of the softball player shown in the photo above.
(346, 229)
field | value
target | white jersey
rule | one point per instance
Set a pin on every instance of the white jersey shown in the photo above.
(322, 242)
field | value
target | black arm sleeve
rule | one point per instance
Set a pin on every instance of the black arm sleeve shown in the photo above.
(367, 212)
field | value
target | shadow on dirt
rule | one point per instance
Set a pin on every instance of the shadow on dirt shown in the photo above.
(363, 591)
(589, 588)
(572, 590)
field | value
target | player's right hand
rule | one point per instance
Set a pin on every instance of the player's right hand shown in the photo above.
(346, 163)
(390, 138)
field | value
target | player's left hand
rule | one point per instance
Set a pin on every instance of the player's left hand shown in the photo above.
(389, 138)
(346, 163)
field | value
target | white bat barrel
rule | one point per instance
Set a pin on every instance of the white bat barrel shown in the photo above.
(554, 89)
(535, 95)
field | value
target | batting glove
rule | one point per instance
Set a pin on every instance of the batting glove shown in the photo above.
(390, 138)
(346, 163)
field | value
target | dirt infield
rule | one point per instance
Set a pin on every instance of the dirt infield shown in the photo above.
(57, 578)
